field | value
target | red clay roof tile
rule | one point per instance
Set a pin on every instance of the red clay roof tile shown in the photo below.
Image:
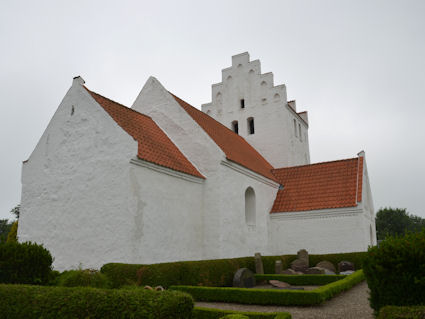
(319, 186)
(153, 144)
(233, 145)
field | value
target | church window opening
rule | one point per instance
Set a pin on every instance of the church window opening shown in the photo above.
(299, 131)
(295, 128)
(242, 103)
(251, 125)
(235, 127)
(250, 206)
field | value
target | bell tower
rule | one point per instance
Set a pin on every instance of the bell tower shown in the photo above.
(248, 102)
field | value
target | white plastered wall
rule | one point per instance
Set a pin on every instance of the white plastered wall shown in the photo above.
(85, 202)
(274, 135)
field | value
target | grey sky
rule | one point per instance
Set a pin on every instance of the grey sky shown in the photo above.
(357, 67)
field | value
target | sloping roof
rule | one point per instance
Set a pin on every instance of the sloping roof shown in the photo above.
(234, 146)
(319, 186)
(153, 144)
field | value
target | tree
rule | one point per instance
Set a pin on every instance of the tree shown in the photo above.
(5, 226)
(396, 221)
(15, 210)
(13, 233)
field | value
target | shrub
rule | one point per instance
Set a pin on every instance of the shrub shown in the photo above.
(235, 316)
(211, 313)
(302, 279)
(394, 312)
(272, 296)
(26, 263)
(217, 272)
(22, 301)
(83, 278)
(13, 233)
(395, 271)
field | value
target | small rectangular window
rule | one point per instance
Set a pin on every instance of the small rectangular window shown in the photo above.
(251, 126)
(295, 127)
(242, 103)
(299, 129)
(235, 127)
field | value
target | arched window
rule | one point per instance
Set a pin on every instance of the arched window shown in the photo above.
(250, 206)
(235, 127)
(251, 129)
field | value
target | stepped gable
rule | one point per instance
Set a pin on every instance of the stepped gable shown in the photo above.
(153, 144)
(319, 186)
(236, 148)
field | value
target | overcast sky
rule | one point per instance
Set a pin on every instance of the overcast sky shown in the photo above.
(357, 67)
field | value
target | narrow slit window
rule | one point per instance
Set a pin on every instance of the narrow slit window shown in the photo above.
(251, 129)
(235, 127)
(295, 128)
(242, 103)
(299, 131)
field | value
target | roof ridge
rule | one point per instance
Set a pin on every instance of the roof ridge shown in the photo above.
(122, 105)
(318, 163)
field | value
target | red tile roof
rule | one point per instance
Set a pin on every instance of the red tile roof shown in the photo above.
(153, 144)
(234, 146)
(319, 186)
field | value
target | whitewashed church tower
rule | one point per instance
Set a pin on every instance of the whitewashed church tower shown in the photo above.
(248, 103)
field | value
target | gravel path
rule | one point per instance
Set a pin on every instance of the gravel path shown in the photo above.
(352, 304)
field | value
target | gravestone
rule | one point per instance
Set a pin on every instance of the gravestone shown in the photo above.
(279, 284)
(244, 278)
(303, 255)
(278, 267)
(345, 265)
(259, 269)
(299, 265)
(327, 265)
(315, 271)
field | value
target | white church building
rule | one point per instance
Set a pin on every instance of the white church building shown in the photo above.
(163, 181)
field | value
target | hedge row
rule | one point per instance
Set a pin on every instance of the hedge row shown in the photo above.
(299, 280)
(24, 301)
(210, 313)
(217, 272)
(281, 297)
(394, 312)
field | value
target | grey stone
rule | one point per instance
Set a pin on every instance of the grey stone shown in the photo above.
(327, 265)
(279, 284)
(278, 266)
(259, 269)
(329, 272)
(315, 271)
(299, 265)
(289, 271)
(303, 255)
(244, 278)
(345, 265)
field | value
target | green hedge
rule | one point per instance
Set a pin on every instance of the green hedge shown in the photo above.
(212, 313)
(282, 297)
(299, 280)
(394, 312)
(83, 278)
(217, 272)
(24, 263)
(23, 301)
(395, 271)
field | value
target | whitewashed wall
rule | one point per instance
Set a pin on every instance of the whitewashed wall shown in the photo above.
(274, 135)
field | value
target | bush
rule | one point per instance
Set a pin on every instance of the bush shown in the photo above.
(299, 280)
(25, 263)
(83, 278)
(22, 301)
(13, 233)
(235, 316)
(395, 272)
(217, 272)
(211, 313)
(272, 296)
(394, 312)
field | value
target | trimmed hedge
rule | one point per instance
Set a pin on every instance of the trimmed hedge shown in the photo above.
(23, 301)
(24, 263)
(83, 278)
(395, 271)
(212, 313)
(217, 272)
(213, 273)
(394, 312)
(300, 280)
(281, 297)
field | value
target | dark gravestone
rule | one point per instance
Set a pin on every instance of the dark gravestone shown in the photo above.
(345, 265)
(303, 255)
(299, 265)
(244, 278)
(327, 265)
